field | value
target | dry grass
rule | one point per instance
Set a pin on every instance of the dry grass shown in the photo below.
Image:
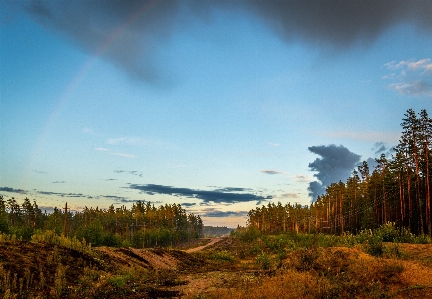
(227, 269)
(333, 273)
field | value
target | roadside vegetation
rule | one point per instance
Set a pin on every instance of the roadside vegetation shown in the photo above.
(372, 264)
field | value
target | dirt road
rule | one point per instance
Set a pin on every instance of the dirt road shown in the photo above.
(212, 241)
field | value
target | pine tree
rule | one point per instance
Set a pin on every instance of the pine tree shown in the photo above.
(425, 144)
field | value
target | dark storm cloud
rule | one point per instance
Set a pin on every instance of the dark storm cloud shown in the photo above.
(214, 196)
(336, 163)
(340, 23)
(12, 190)
(129, 33)
(315, 189)
(233, 189)
(124, 32)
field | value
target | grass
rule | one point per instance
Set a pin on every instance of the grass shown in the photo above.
(322, 273)
(371, 264)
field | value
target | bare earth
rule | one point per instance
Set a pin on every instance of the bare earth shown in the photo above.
(212, 242)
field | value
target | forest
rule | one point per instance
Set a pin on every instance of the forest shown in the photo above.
(141, 226)
(397, 190)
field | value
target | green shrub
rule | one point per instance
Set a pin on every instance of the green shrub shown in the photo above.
(388, 232)
(263, 261)
(112, 240)
(375, 246)
(405, 236)
(222, 256)
(248, 235)
(422, 239)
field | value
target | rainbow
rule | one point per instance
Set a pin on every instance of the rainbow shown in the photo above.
(79, 77)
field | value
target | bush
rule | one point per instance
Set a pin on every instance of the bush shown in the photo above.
(222, 256)
(375, 246)
(263, 261)
(248, 235)
(422, 239)
(388, 232)
(306, 259)
(112, 240)
(93, 234)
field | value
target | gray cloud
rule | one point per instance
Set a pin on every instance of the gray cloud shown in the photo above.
(382, 148)
(315, 189)
(379, 147)
(129, 33)
(61, 194)
(188, 204)
(211, 212)
(336, 163)
(213, 196)
(119, 199)
(133, 172)
(272, 172)
(233, 189)
(340, 23)
(41, 172)
(12, 190)
(413, 88)
(371, 163)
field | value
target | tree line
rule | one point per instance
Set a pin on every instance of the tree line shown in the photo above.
(398, 190)
(143, 225)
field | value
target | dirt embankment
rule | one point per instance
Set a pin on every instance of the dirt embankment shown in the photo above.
(224, 264)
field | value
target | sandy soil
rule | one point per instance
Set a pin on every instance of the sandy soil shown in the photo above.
(212, 242)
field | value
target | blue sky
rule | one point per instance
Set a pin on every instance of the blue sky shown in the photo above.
(218, 106)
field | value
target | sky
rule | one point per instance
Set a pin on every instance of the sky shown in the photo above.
(221, 106)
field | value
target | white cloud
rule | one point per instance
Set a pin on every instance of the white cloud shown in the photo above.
(127, 140)
(288, 195)
(303, 179)
(123, 155)
(274, 144)
(414, 78)
(138, 141)
(101, 149)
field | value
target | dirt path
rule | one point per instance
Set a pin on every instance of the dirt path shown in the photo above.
(212, 241)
